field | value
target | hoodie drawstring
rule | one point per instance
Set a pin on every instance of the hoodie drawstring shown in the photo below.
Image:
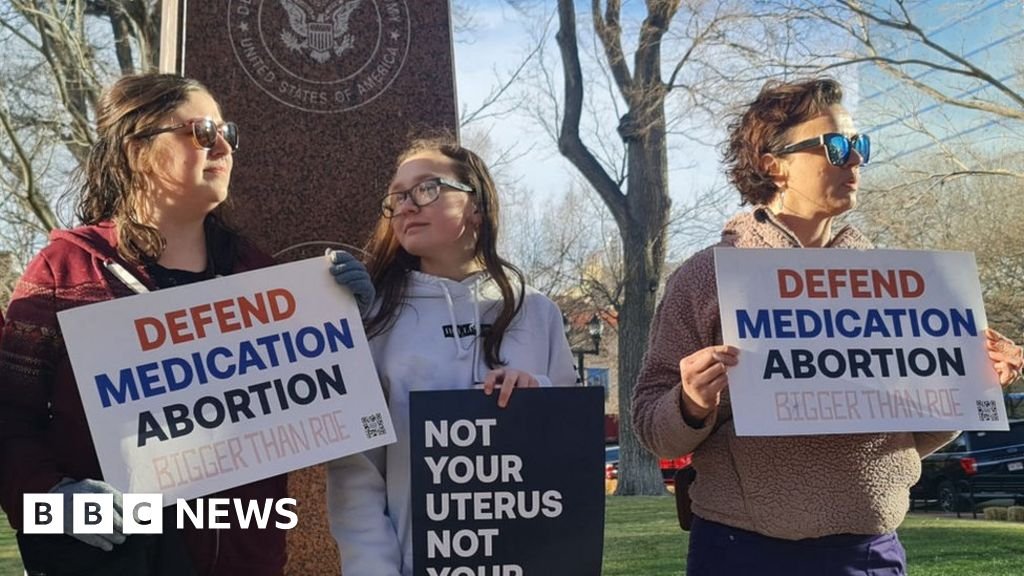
(460, 352)
(479, 331)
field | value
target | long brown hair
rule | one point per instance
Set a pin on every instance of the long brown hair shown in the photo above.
(115, 172)
(389, 264)
(762, 126)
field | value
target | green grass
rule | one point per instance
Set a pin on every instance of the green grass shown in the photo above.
(643, 538)
(940, 546)
(10, 561)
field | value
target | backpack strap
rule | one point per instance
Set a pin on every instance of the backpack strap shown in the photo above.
(682, 480)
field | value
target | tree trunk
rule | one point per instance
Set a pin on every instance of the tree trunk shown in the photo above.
(639, 473)
(642, 212)
(643, 243)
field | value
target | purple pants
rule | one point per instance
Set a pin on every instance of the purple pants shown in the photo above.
(720, 550)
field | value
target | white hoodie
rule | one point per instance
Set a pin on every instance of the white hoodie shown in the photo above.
(433, 345)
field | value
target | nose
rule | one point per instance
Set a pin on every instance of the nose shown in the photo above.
(855, 158)
(220, 146)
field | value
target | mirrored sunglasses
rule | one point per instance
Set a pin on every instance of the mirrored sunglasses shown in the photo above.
(837, 147)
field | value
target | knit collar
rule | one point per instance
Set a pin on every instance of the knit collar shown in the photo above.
(760, 228)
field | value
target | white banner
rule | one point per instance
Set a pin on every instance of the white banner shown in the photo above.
(212, 385)
(844, 341)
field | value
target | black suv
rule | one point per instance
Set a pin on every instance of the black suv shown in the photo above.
(973, 467)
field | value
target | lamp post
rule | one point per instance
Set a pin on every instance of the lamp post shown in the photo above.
(595, 329)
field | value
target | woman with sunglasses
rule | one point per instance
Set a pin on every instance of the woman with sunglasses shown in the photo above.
(825, 505)
(451, 313)
(151, 206)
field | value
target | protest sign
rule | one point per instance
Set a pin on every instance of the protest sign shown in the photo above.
(212, 385)
(843, 341)
(517, 491)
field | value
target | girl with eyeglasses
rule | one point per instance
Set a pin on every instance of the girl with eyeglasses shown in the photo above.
(792, 504)
(151, 208)
(450, 313)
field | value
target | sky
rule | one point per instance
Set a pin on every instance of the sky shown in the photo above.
(499, 38)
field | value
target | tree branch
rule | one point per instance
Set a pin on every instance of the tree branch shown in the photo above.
(33, 197)
(569, 142)
(609, 31)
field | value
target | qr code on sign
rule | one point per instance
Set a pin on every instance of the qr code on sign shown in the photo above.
(373, 425)
(988, 411)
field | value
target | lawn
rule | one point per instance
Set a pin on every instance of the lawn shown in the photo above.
(642, 538)
(10, 562)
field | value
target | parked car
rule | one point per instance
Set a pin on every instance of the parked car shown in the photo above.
(668, 466)
(611, 462)
(975, 466)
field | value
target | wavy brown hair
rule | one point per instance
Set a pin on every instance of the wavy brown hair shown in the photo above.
(115, 174)
(389, 264)
(762, 128)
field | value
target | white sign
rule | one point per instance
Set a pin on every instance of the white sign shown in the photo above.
(217, 384)
(844, 341)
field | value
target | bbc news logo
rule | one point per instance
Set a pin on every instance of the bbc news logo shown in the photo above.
(143, 513)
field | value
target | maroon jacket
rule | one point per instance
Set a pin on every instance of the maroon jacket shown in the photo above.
(44, 430)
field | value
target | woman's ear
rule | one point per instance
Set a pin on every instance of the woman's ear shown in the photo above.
(142, 157)
(770, 164)
(774, 167)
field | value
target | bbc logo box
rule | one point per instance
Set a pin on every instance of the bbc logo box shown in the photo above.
(93, 514)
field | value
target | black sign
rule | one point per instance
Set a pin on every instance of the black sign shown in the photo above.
(517, 491)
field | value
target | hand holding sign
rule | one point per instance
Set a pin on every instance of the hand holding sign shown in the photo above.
(703, 376)
(1005, 355)
(508, 379)
(352, 274)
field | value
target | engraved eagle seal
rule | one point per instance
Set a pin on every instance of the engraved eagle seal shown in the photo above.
(322, 32)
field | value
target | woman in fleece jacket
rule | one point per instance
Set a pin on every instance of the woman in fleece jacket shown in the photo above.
(816, 505)
(450, 313)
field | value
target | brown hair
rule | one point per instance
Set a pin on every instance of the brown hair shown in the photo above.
(762, 128)
(114, 174)
(389, 264)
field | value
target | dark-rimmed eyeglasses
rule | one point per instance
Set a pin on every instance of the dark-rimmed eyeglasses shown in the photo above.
(204, 132)
(837, 147)
(420, 195)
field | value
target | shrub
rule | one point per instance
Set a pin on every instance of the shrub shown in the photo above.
(995, 513)
(1015, 513)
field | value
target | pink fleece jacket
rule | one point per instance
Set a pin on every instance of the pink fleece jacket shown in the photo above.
(790, 487)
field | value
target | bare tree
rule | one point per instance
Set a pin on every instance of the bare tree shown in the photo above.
(58, 54)
(633, 184)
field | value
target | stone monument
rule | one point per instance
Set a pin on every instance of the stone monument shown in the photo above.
(325, 94)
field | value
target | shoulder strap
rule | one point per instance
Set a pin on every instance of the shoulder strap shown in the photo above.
(126, 277)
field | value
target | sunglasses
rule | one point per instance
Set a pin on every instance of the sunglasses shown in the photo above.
(204, 132)
(422, 194)
(837, 147)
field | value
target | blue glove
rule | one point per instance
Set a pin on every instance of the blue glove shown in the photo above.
(351, 274)
(69, 488)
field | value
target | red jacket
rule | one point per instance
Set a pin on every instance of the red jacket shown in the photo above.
(44, 430)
